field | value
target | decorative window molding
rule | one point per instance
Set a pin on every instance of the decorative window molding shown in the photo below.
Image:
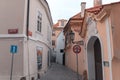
(39, 21)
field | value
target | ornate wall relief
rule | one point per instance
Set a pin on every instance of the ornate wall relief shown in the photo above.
(91, 27)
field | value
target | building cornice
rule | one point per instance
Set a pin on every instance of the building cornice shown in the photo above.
(103, 14)
(41, 41)
(4, 36)
(13, 36)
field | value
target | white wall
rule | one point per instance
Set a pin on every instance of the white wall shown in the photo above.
(60, 45)
(39, 39)
(6, 58)
(12, 15)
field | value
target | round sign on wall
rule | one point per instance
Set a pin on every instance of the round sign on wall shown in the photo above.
(76, 49)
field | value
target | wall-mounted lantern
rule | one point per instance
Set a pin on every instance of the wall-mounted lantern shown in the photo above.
(72, 36)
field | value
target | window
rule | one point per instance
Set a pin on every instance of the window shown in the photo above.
(53, 33)
(39, 57)
(39, 22)
(61, 50)
(53, 42)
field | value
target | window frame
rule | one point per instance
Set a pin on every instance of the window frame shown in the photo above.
(39, 22)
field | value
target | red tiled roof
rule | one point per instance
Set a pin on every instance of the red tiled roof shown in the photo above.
(56, 25)
(97, 9)
(76, 16)
(94, 10)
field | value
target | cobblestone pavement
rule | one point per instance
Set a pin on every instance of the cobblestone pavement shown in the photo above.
(59, 72)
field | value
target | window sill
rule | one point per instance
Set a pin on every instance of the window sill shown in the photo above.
(39, 33)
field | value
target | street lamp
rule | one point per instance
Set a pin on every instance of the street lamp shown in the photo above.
(72, 35)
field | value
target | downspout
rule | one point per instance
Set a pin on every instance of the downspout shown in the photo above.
(27, 34)
(27, 22)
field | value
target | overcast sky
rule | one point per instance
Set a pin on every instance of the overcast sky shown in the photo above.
(64, 9)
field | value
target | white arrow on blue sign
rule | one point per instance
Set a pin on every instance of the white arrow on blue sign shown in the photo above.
(13, 49)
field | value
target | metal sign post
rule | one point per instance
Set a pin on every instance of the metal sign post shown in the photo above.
(77, 50)
(11, 66)
(13, 50)
(77, 65)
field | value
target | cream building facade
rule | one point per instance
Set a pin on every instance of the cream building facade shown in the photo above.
(26, 24)
(57, 44)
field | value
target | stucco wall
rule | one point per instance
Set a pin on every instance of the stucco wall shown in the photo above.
(12, 14)
(60, 45)
(105, 46)
(30, 65)
(115, 25)
(116, 69)
(70, 57)
(6, 58)
(70, 60)
(35, 7)
(43, 38)
(101, 30)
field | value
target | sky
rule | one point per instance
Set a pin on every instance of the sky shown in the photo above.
(64, 9)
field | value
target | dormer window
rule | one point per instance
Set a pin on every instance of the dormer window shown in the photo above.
(39, 22)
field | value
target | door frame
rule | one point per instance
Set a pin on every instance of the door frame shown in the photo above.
(87, 61)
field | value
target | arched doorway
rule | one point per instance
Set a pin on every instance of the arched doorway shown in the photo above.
(94, 57)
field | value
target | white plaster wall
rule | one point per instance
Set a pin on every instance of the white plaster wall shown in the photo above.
(30, 58)
(42, 38)
(35, 6)
(6, 58)
(12, 15)
(60, 45)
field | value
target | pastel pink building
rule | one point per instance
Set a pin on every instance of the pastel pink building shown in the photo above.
(98, 28)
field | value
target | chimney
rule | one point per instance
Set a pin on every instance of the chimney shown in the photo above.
(97, 3)
(83, 6)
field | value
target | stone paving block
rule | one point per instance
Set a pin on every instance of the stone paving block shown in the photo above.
(59, 72)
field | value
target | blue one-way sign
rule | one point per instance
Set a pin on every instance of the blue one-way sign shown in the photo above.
(13, 49)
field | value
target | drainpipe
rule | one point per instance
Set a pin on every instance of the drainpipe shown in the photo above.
(27, 34)
(27, 22)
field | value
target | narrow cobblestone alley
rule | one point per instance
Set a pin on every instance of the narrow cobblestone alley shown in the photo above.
(59, 72)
